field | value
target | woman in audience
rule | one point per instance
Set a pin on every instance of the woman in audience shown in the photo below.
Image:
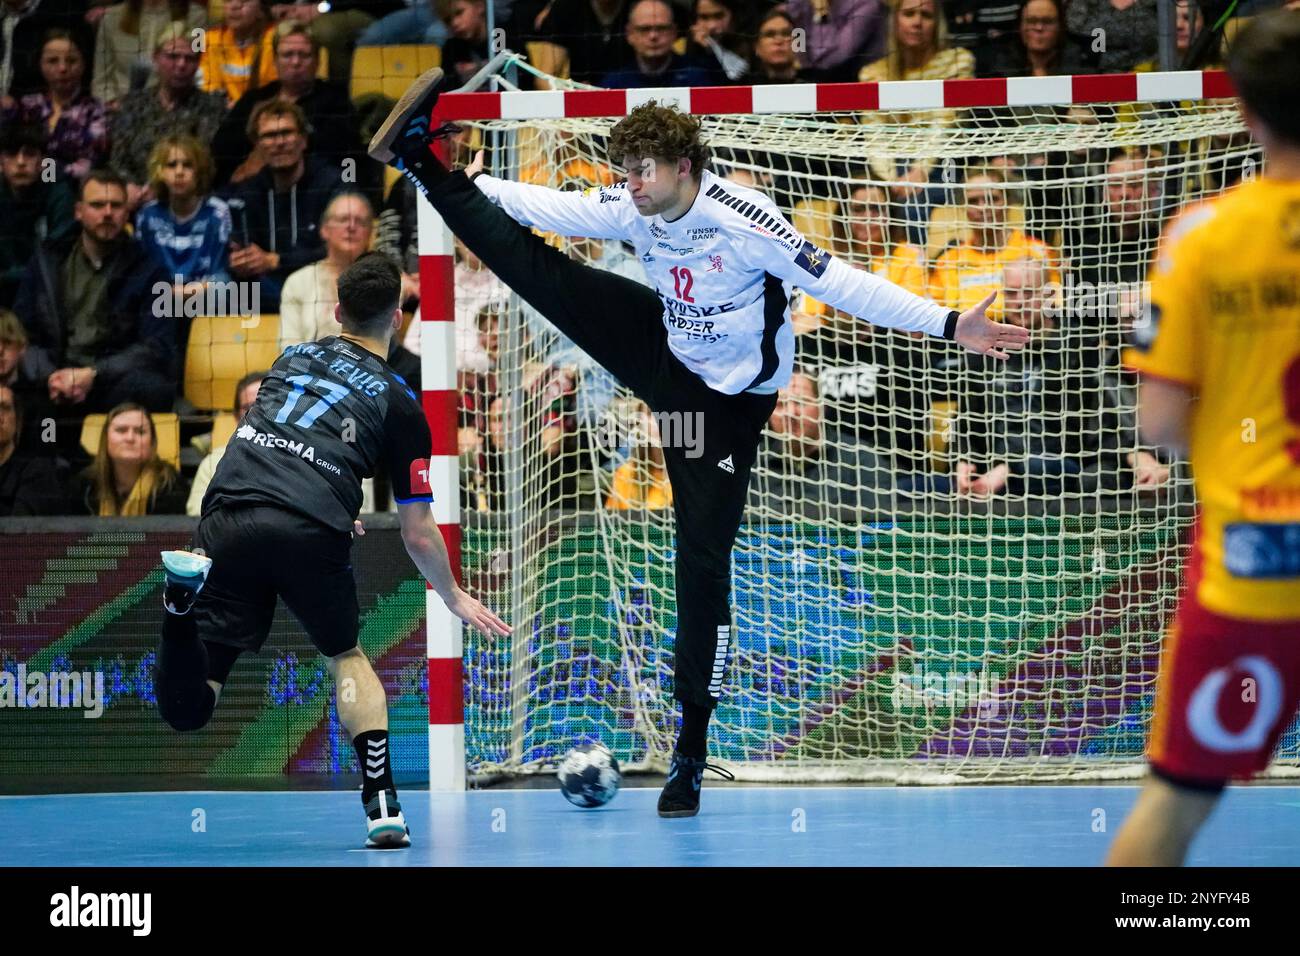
(185, 229)
(127, 36)
(75, 124)
(1041, 47)
(126, 476)
(918, 49)
(239, 54)
(774, 57)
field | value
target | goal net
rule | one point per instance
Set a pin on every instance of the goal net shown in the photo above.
(904, 609)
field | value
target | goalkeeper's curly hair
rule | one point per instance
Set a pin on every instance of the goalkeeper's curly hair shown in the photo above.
(663, 131)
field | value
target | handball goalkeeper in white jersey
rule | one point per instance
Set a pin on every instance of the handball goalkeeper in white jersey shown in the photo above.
(712, 339)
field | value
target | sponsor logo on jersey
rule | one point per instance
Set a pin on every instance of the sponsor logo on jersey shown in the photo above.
(419, 477)
(812, 260)
(658, 231)
(691, 310)
(695, 330)
(268, 440)
(855, 381)
(727, 466)
(702, 233)
(715, 264)
(678, 250)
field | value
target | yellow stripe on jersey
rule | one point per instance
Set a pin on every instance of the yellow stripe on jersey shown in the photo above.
(963, 275)
(1225, 321)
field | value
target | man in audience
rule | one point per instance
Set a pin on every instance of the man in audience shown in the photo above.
(29, 485)
(245, 396)
(277, 213)
(175, 105)
(31, 208)
(332, 135)
(1110, 252)
(88, 305)
(968, 271)
(1050, 420)
(651, 33)
(584, 39)
(311, 293)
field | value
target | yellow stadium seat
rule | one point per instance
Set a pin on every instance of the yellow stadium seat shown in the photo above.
(167, 426)
(223, 426)
(221, 352)
(389, 70)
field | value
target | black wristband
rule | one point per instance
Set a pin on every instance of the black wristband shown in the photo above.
(476, 175)
(950, 327)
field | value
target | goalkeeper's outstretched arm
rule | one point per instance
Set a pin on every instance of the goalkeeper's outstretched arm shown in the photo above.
(592, 214)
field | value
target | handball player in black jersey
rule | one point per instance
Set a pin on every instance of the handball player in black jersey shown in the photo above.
(277, 521)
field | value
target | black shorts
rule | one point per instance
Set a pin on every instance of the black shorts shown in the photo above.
(259, 553)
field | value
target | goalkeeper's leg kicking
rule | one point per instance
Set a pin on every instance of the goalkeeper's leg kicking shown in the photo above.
(619, 323)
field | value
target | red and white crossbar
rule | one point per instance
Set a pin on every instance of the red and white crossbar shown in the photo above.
(855, 97)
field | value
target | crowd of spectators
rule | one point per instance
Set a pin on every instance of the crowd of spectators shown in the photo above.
(171, 144)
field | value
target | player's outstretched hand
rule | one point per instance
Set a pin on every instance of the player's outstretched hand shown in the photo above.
(475, 166)
(476, 615)
(977, 332)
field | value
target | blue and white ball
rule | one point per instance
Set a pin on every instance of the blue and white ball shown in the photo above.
(589, 776)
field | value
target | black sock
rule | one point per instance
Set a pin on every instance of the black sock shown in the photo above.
(182, 657)
(693, 740)
(422, 165)
(372, 754)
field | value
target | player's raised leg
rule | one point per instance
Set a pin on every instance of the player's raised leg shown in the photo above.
(363, 710)
(616, 321)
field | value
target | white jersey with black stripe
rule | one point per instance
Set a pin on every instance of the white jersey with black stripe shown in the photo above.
(724, 270)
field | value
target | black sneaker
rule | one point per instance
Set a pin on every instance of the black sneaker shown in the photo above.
(407, 127)
(386, 828)
(186, 574)
(681, 795)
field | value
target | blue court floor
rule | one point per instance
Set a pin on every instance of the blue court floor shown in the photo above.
(738, 825)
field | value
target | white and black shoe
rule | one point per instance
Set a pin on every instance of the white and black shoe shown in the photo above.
(186, 573)
(386, 828)
(681, 794)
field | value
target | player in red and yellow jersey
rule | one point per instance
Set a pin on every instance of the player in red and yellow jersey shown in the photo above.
(1224, 329)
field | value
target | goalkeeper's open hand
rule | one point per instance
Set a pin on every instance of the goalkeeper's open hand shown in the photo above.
(977, 332)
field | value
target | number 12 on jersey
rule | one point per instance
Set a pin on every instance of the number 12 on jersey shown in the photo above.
(682, 282)
(334, 393)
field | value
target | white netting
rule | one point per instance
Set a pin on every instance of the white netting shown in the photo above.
(885, 627)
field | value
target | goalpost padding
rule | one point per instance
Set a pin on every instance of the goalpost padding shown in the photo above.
(958, 645)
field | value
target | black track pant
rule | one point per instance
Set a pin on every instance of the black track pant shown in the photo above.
(619, 323)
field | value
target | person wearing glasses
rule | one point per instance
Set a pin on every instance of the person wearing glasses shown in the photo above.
(1041, 46)
(651, 33)
(175, 105)
(277, 213)
(774, 56)
(331, 121)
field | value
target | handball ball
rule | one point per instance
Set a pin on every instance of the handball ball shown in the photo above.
(589, 775)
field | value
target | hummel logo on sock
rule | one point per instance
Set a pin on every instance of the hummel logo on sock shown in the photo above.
(727, 466)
